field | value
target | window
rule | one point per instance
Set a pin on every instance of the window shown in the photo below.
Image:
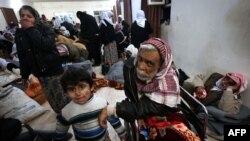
(156, 2)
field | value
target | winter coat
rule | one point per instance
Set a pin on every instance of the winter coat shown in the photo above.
(37, 52)
(134, 108)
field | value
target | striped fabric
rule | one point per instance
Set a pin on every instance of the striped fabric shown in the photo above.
(84, 120)
(164, 87)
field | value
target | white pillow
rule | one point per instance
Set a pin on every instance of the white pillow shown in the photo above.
(15, 103)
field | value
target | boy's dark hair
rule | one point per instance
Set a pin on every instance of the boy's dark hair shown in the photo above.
(73, 75)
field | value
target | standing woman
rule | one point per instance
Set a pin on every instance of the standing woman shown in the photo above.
(107, 37)
(140, 29)
(38, 56)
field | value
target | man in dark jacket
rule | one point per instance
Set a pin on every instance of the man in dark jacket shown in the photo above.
(151, 85)
(89, 34)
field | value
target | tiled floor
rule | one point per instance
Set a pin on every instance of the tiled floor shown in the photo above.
(48, 120)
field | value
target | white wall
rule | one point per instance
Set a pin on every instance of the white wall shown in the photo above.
(136, 5)
(50, 8)
(15, 4)
(211, 35)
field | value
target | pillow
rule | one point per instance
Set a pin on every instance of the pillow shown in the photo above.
(14, 103)
(115, 72)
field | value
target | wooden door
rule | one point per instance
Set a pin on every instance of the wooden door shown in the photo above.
(9, 15)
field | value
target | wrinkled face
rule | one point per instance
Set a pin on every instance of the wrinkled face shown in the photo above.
(148, 64)
(226, 82)
(80, 93)
(27, 19)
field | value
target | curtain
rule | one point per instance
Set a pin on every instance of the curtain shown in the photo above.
(118, 7)
(128, 11)
(153, 15)
(114, 19)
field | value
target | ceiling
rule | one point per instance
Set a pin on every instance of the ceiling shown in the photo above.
(60, 0)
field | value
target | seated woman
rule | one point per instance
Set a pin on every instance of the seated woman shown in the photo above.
(218, 90)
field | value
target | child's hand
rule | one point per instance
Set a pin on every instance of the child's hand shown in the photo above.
(103, 118)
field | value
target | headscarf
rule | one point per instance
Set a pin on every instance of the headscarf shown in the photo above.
(110, 14)
(140, 18)
(33, 12)
(164, 87)
(8, 33)
(240, 80)
(120, 16)
(105, 15)
(68, 19)
(132, 49)
(119, 26)
(64, 31)
(57, 22)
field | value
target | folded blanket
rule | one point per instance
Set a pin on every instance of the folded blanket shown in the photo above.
(115, 72)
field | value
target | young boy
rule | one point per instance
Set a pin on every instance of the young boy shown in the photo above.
(84, 109)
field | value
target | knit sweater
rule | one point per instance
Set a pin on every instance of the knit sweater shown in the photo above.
(84, 120)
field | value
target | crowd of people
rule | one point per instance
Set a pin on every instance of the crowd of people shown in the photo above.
(151, 83)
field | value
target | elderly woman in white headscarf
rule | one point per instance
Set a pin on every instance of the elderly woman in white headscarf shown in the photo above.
(64, 31)
(107, 38)
(69, 25)
(140, 29)
(57, 22)
(131, 51)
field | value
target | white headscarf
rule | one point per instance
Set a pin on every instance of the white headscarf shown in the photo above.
(105, 15)
(140, 18)
(132, 49)
(120, 16)
(68, 19)
(57, 22)
(64, 31)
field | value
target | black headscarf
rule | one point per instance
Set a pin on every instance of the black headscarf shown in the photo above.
(33, 12)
